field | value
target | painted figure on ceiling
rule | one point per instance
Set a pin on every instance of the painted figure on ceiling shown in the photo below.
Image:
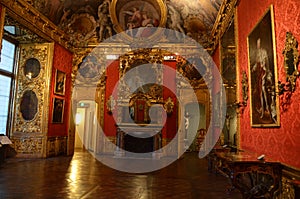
(105, 29)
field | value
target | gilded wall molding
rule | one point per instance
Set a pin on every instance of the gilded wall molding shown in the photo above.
(223, 20)
(44, 53)
(31, 18)
(188, 67)
(29, 147)
(24, 35)
(36, 127)
(139, 58)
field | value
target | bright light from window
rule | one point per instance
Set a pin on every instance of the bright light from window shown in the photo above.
(78, 118)
(10, 29)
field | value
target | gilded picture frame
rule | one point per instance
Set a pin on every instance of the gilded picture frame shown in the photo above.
(137, 18)
(60, 81)
(58, 110)
(264, 100)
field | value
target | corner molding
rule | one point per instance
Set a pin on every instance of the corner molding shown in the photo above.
(30, 17)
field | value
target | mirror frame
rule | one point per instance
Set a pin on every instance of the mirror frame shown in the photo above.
(291, 62)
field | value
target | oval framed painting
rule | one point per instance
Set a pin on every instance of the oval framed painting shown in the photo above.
(138, 18)
(29, 105)
(32, 68)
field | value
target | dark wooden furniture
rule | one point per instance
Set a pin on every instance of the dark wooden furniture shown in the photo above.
(252, 177)
(296, 184)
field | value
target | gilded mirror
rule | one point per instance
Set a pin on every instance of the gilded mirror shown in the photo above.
(291, 59)
(32, 68)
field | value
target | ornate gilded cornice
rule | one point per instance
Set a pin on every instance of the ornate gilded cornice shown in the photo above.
(30, 17)
(24, 35)
(223, 19)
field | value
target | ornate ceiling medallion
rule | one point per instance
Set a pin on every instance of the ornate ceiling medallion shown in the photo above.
(138, 19)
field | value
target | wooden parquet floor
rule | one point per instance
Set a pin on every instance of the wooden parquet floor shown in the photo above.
(82, 176)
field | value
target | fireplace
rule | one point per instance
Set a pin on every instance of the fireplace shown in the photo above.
(133, 140)
(138, 145)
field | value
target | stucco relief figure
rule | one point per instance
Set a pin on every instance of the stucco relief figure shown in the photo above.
(186, 122)
(175, 21)
(265, 87)
(64, 17)
(104, 21)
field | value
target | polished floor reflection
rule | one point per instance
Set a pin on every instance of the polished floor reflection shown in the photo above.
(82, 176)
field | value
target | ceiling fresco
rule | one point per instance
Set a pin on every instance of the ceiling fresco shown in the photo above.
(92, 21)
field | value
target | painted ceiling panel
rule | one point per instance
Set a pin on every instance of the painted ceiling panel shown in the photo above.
(82, 18)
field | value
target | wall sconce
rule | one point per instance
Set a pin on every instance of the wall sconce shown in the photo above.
(291, 61)
(285, 91)
(240, 106)
(110, 104)
(169, 105)
(284, 87)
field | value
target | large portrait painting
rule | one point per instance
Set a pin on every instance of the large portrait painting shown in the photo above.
(263, 73)
(138, 17)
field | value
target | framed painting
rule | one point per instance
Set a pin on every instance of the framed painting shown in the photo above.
(137, 18)
(60, 81)
(58, 110)
(264, 101)
(228, 55)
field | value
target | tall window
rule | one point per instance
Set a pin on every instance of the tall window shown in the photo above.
(7, 77)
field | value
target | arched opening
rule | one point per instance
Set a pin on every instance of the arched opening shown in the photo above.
(195, 123)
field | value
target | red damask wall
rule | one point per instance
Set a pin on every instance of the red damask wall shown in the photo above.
(62, 60)
(112, 73)
(282, 144)
(170, 128)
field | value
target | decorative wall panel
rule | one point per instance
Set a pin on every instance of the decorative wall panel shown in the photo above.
(27, 146)
(56, 146)
(29, 132)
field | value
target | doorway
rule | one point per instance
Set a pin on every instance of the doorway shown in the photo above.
(196, 122)
(86, 125)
